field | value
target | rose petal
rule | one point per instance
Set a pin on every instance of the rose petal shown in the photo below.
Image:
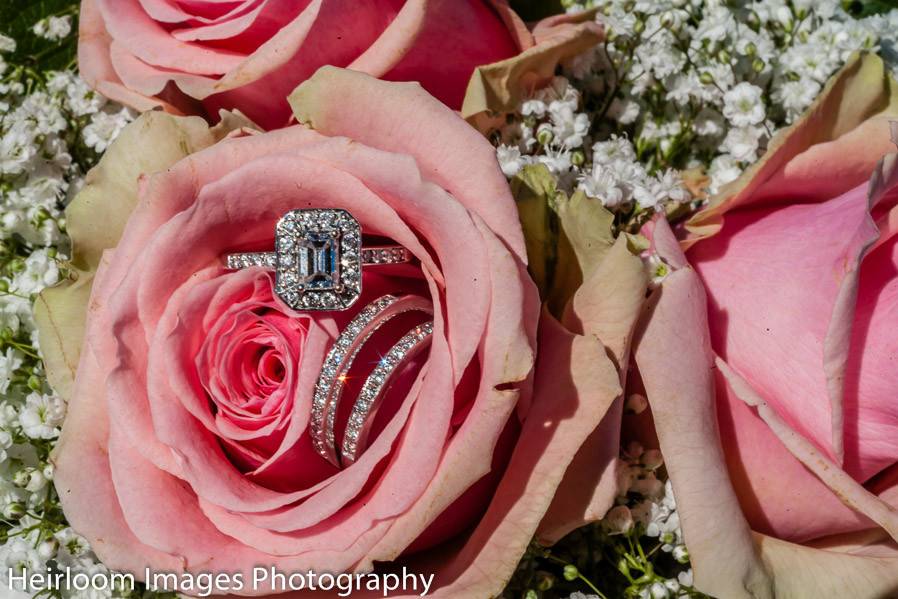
(575, 384)
(673, 352)
(448, 151)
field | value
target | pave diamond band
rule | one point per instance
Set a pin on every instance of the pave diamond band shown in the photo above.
(318, 259)
(379, 255)
(339, 359)
(263, 259)
(360, 420)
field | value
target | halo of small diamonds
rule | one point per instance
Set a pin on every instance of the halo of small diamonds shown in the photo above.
(356, 435)
(318, 259)
(339, 359)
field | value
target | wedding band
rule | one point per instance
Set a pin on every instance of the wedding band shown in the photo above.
(339, 359)
(365, 408)
(318, 259)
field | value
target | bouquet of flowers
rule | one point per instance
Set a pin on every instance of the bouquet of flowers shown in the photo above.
(454, 298)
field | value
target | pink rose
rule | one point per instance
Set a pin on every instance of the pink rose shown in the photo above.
(799, 264)
(202, 56)
(187, 444)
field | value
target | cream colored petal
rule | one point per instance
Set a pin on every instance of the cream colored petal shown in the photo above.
(500, 87)
(96, 217)
(801, 572)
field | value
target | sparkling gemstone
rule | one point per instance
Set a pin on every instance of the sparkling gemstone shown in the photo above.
(314, 247)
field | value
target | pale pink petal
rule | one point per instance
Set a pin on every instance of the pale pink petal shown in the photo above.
(468, 454)
(674, 356)
(778, 495)
(448, 151)
(130, 26)
(575, 385)
(841, 484)
(84, 482)
(773, 329)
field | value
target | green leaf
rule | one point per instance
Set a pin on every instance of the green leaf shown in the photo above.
(864, 8)
(566, 237)
(17, 18)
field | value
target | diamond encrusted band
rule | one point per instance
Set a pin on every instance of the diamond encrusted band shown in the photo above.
(339, 359)
(376, 255)
(360, 420)
(318, 259)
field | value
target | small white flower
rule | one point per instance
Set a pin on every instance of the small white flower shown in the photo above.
(742, 143)
(558, 161)
(659, 190)
(569, 127)
(658, 269)
(41, 416)
(723, 169)
(709, 123)
(5, 443)
(743, 105)
(104, 127)
(510, 160)
(795, 96)
(10, 361)
(624, 111)
(53, 28)
(16, 556)
(40, 272)
(613, 151)
(533, 107)
(7, 44)
(659, 591)
(603, 185)
(72, 547)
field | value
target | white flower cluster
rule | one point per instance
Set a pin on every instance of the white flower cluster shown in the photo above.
(65, 550)
(53, 28)
(682, 84)
(553, 132)
(646, 502)
(51, 128)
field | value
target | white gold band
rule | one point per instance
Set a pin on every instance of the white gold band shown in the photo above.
(339, 360)
(355, 437)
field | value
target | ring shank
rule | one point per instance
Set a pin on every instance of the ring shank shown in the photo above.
(370, 256)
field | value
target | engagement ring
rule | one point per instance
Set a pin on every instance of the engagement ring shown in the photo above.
(318, 259)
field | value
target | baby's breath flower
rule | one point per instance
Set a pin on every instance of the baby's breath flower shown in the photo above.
(53, 28)
(7, 44)
(42, 416)
(744, 105)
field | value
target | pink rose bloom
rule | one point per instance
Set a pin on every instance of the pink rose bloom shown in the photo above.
(194, 56)
(782, 315)
(187, 444)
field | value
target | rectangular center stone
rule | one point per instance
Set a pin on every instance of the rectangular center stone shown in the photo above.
(318, 259)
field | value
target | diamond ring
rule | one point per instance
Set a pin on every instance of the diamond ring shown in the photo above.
(318, 259)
